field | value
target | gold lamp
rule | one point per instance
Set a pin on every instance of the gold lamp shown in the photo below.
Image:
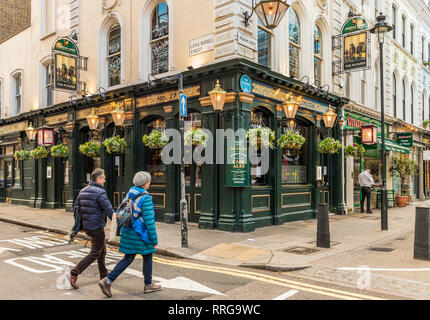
(93, 120)
(31, 132)
(218, 96)
(118, 116)
(329, 118)
(291, 106)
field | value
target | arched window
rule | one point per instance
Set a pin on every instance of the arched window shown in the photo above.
(394, 95)
(48, 82)
(264, 36)
(412, 103)
(318, 58)
(295, 41)
(114, 55)
(404, 99)
(412, 39)
(394, 21)
(160, 39)
(403, 31)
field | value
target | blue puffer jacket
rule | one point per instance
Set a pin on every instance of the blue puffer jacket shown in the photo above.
(131, 242)
(95, 207)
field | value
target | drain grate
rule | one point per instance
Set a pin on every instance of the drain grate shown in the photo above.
(301, 250)
(382, 249)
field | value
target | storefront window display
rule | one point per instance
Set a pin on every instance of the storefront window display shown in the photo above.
(155, 166)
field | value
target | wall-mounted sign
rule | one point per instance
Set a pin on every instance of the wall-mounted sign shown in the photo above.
(426, 155)
(201, 45)
(354, 24)
(66, 68)
(45, 136)
(167, 97)
(405, 139)
(237, 172)
(247, 41)
(356, 44)
(246, 84)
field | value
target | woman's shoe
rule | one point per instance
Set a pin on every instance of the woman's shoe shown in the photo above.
(152, 288)
(105, 287)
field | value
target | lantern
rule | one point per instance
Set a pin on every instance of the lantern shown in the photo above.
(329, 118)
(218, 96)
(118, 116)
(381, 28)
(291, 106)
(31, 132)
(45, 136)
(271, 12)
(93, 120)
(369, 134)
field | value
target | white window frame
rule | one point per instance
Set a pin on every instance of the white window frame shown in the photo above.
(44, 16)
(13, 94)
(43, 86)
(108, 57)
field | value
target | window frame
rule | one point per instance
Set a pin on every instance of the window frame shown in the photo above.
(117, 54)
(293, 44)
(161, 39)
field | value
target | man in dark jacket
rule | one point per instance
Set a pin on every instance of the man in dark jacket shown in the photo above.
(95, 208)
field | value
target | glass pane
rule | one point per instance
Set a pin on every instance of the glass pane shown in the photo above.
(1, 172)
(17, 173)
(66, 172)
(194, 120)
(114, 40)
(294, 61)
(160, 56)
(160, 21)
(198, 177)
(295, 167)
(158, 173)
(263, 47)
(294, 27)
(317, 41)
(114, 70)
(187, 175)
(9, 174)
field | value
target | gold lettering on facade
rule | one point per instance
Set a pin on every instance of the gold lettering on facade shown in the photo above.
(166, 97)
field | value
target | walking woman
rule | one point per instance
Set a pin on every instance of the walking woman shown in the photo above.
(131, 242)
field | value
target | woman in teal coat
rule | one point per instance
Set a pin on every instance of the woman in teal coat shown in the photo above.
(131, 242)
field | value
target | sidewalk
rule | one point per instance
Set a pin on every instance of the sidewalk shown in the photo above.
(289, 247)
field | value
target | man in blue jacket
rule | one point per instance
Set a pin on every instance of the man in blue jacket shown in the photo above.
(95, 208)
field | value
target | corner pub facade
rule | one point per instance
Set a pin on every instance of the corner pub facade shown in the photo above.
(289, 191)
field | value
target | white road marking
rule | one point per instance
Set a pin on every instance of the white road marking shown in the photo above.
(287, 295)
(179, 283)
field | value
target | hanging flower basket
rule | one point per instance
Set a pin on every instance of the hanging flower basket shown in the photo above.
(329, 146)
(60, 151)
(291, 142)
(39, 153)
(22, 155)
(115, 145)
(196, 137)
(426, 124)
(261, 136)
(91, 149)
(355, 150)
(155, 140)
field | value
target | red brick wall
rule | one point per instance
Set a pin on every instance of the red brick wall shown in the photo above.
(15, 16)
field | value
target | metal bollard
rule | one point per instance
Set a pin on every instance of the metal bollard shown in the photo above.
(422, 234)
(323, 227)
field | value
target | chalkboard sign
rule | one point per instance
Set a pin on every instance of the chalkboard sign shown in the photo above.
(237, 165)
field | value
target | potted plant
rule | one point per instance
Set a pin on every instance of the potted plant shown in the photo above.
(261, 136)
(426, 124)
(155, 140)
(291, 142)
(22, 155)
(39, 153)
(355, 150)
(196, 137)
(91, 149)
(403, 168)
(329, 146)
(60, 151)
(115, 145)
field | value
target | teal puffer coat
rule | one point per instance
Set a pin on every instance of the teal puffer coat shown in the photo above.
(131, 242)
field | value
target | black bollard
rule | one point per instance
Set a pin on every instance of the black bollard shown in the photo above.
(422, 233)
(323, 232)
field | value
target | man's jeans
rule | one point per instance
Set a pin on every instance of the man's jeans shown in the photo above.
(98, 252)
(366, 193)
(126, 261)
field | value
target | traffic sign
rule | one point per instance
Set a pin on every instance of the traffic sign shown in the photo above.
(183, 104)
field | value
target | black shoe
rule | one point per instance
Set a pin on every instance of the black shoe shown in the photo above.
(361, 211)
(369, 212)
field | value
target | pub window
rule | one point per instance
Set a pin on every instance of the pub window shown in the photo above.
(258, 178)
(160, 39)
(317, 54)
(49, 84)
(193, 121)
(404, 99)
(114, 56)
(154, 164)
(403, 31)
(394, 95)
(294, 43)
(17, 176)
(264, 42)
(295, 166)
(18, 93)
(394, 20)
(412, 39)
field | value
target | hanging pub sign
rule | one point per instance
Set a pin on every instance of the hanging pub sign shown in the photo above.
(405, 139)
(67, 64)
(356, 44)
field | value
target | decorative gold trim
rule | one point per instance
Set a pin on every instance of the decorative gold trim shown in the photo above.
(195, 203)
(168, 109)
(230, 97)
(116, 199)
(246, 97)
(296, 205)
(205, 101)
(158, 186)
(260, 196)
(129, 115)
(189, 202)
(164, 200)
(296, 186)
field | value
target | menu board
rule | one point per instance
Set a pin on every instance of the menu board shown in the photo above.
(237, 165)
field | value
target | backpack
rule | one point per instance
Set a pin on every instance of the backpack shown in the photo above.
(124, 214)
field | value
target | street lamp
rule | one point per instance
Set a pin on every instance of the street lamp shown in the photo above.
(329, 118)
(380, 29)
(31, 132)
(218, 96)
(291, 106)
(118, 116)
(93, 120)
(269, 12)
(369, 134)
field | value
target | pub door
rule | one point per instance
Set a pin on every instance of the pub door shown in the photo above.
(193, 191)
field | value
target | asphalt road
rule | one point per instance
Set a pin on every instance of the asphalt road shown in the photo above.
(33, 265)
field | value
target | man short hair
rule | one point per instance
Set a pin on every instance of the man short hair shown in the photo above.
(97, 173)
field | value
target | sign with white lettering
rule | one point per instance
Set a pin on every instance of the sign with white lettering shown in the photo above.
(247, 41)
(200, 45)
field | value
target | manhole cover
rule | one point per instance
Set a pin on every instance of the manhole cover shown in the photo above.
(382, 249)
(301, 250)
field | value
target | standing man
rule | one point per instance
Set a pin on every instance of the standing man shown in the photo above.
(95, 208)
(366, 181)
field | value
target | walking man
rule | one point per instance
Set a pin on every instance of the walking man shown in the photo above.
(95, 208)
(366, 181)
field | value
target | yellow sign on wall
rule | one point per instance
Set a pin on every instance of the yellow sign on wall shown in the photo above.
(167, 97)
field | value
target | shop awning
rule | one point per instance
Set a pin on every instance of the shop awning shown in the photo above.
(390, 145)
(374, 150)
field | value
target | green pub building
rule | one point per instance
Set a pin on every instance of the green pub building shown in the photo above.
(233, 197)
